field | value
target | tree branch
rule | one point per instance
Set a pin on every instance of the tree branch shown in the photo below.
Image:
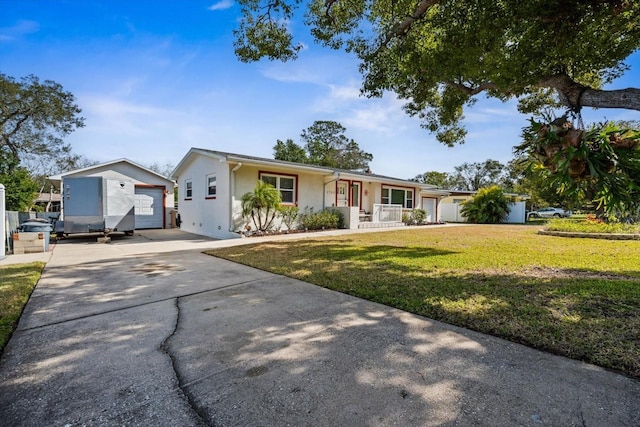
(327, 6)
(402, 28)
(576, 95)
(421, 10)
(469, 90)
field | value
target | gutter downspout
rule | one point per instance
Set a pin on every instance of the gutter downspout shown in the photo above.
(324, 188)
(232, 194)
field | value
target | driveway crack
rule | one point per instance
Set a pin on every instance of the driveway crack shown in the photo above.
(146, 303)
(164, 347)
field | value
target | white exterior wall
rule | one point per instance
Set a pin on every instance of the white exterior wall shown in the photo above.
(139, 177)
(309, 194)
(201, 215)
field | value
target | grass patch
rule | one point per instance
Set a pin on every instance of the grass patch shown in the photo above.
(575, 297)
(16, 286)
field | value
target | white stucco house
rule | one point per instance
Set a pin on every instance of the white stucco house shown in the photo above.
(154, 198)
(211, 184)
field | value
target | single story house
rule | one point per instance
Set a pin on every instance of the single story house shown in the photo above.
(211, 185)
(154, 193)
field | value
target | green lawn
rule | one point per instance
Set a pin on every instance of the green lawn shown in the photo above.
(16, 284)
(575, 297)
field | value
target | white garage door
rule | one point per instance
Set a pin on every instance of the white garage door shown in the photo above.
(148, 207)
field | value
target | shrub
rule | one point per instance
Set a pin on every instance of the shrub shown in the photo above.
(289, 215)
(592, 225)
(327, 218)
(489, 206)
(417, 216)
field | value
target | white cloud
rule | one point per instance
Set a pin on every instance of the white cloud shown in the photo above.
(21, 28)
(493, 111)
(350, 92)
(379, 117)
(293, 74)
(221, 5)
(355, 111)
(112, 114)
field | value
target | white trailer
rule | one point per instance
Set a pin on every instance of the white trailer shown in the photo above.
(97, 205)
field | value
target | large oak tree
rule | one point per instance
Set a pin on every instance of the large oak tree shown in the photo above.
(440, 55)
(35, 116)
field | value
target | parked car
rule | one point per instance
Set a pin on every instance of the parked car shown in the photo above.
(549, 213)
(35, 226)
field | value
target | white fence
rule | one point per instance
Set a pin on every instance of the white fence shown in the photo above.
(387, 213)
(451, 213)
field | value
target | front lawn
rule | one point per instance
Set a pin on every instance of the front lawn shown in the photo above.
(575, 297)
(16, 286)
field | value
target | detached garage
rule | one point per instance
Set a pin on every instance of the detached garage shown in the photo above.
(153, 192)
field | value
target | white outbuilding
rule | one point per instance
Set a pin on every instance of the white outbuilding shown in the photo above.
(154, 198)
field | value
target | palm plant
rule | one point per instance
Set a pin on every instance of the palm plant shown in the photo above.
(489, 206)
(261, 205)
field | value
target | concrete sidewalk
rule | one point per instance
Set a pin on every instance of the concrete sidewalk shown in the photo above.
(149, 331)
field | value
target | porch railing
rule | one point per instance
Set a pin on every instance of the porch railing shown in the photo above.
(387, 213)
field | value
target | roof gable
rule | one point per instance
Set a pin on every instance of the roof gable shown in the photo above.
(88, 170)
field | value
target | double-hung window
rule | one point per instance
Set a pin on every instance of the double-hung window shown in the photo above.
(398, 196)
(211, 186)
(286, 184)
(188, 189)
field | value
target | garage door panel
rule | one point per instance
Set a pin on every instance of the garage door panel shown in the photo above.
(149, 210)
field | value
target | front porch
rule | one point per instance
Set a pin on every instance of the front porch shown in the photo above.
(382, 216)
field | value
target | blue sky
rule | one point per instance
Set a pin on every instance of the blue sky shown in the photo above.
(155, 78)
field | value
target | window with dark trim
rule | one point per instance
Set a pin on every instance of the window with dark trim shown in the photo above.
(286, 184)
(211, 185)
(188, 189)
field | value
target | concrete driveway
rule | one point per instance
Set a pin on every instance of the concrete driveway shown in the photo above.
(149, 331)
